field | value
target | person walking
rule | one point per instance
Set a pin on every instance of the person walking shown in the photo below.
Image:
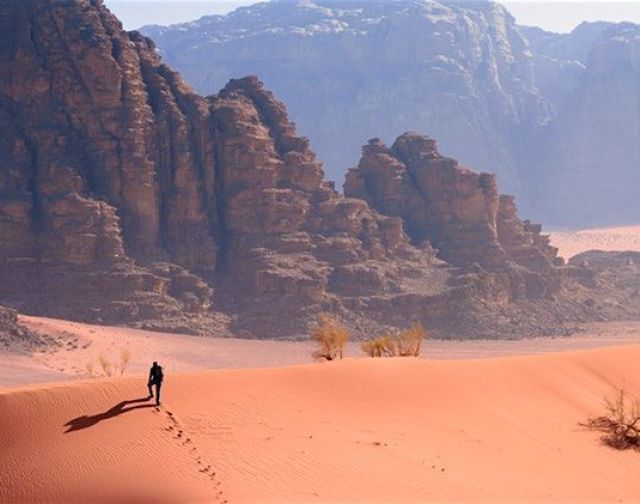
(156, 375)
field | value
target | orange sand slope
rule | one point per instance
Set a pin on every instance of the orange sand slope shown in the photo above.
(571, 243)
(359, 430)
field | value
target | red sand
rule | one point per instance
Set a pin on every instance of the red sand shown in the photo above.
(364, 430)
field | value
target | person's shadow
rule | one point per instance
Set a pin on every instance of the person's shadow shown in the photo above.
(84, 421)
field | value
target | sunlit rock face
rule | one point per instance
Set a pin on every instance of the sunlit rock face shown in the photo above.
(105, 162)
(455, 209)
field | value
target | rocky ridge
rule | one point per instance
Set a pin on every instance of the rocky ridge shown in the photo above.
(127, 198)
(461, 71)
(15, 337)
(554, 115)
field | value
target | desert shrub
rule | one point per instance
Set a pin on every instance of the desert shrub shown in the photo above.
(106, 366)
(330, 336)
(382, 346)
(620, 424)
(125, 359)
(407, 343)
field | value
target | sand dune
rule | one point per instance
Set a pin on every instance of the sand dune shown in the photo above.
(571, 243)
(371, 430)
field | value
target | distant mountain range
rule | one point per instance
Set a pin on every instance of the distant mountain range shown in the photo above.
(556, 116)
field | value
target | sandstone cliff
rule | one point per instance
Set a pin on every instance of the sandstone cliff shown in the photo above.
(103, 161)
(127, 198)
(457, 210)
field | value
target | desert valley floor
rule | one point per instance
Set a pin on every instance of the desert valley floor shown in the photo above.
(360, 430)
(476, 421)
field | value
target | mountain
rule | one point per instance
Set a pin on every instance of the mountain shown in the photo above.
(588, 158)
(127, 198)
(349, 70)
(554, 115)
(560, 59)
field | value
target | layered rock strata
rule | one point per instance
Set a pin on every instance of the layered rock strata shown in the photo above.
(106, 159)
(459, 211)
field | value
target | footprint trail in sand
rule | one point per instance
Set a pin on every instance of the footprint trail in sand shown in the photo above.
(178, 433)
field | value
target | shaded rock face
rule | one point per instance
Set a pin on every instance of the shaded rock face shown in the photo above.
(560, 59)
(615, 272)
(127, 198)
(106, 158)
(459, 211)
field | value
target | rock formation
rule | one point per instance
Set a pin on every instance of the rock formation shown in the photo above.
(554, 115)
(461, 71)
(104, 159)
(127, 198)
(617, 274)
(288, 242)
(15, 337)
(457, 210)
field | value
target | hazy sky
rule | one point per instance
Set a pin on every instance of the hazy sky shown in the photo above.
(554, 15)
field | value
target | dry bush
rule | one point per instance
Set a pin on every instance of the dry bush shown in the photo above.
(331, 338)
(409, 341)
(125, 359)
(621, 423)
(108, 367)
(382, 346)
(105, 364)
